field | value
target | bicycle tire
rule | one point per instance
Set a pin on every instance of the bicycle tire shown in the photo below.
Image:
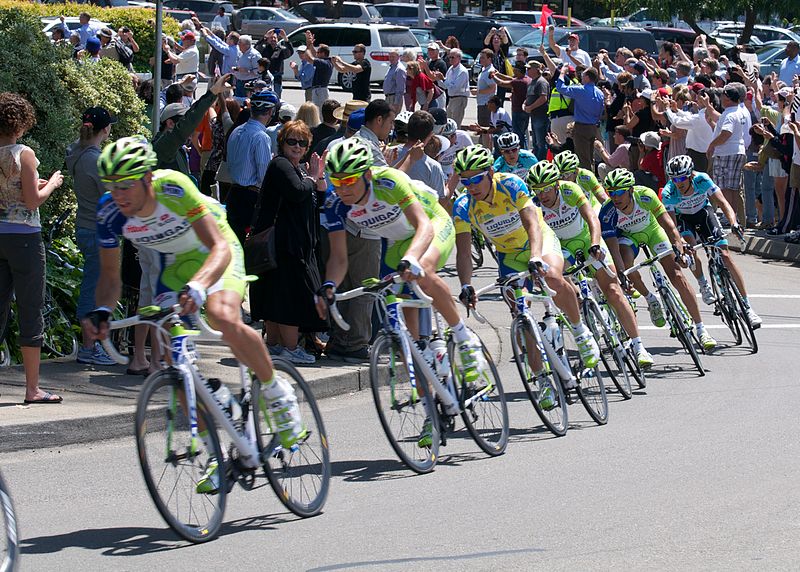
(301, 475)
(682, 330)
(398, 407)
(722, 305)
(611, 353)
(492, 407)
(170, 424)
(741, 314)
(9, 546)
(631, 359)
(591, 389)
(58, 339)
(557, 418)
(477, 250)
(490, 247)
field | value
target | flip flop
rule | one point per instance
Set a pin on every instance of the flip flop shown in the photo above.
(144, 371)
(45, 399)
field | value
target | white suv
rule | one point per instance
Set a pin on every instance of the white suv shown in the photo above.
(341, 38)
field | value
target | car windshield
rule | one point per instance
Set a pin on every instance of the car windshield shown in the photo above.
(517, 31)
(285, 13)
(373, 12)
(769, 54)
(435, 12)
(530, 40)
(398, 38)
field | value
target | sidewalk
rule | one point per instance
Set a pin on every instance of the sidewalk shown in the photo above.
(759, 244)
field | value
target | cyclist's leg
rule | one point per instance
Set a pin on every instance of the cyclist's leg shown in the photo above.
(712, 227)
(628, 250)
(686, 227)
(678, 280)
(511, 263)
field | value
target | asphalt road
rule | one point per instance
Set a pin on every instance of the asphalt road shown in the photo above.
(692, 473)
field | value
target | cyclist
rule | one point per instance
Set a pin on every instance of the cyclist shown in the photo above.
(691, 197)
(200, 258)
(417, 232)
(567, 212)
(633, 216)
(499, 205)
(568, 163)
(512, 159)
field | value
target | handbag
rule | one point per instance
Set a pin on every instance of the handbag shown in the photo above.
(260, 254)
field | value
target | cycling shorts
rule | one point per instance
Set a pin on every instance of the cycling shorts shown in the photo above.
(444, 240)
(704, 223)
(570, 248)
(513, 262)
(655, 247)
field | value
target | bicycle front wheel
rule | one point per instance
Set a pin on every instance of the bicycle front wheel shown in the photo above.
(612, 353)
(681, 325)
(740, 313)
(9, 541)
(58, 339)
(555, 418)
(405, 412)
(300, 475)
(591, 389)
(173, 466)
(483, 403)
(477, 249)
(724, 305)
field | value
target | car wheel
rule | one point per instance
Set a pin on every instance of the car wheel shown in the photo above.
(345, 80)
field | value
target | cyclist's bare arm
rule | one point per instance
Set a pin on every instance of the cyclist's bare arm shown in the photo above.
(531, 224)
(423, 230)
(464, 257)
(669, 227)
(588, 214)
(613, 248)
(719, 200)
(336, 268)
(109, 288)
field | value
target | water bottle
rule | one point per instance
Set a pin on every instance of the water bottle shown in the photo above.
(224, 397)
(427, 353)
(441, 361)
(552, 332)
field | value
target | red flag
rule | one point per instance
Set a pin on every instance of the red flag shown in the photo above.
(546, 13)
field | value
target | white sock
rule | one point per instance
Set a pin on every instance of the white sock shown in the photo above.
(651, 298)
(636, 343)
(700, 328)
(579, 329)
(460, 332)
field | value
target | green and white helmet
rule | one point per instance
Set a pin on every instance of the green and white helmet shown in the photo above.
(619, 179)
(566, 161)
(351, 156)
(126, 159)
(473, 158)
(542, 174)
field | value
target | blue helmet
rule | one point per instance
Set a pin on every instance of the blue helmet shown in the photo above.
(264, 101)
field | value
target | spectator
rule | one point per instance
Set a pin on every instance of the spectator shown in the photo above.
(246, 68)
(345, 115)
(226, 112)
(683, 73)
(304, 73)
(308, 113)
(589, 106)
(22, 255)
(456, 82)
(221, 21)
(536, 106)
(612, 69)
(120, 48)
(167, 67)
(421, 86)
(572, 55)
(228, 49)
(436, 69)
(790, 65)
(276, 51)
(485, 89)
(323, 69)
(699, 132)
(638, 115)
(286, 113)
(619, 158)
(639, 72)
(86, 30)
(458, 140)
(498, 42)
(92, 50)
(188, 61)
(284, 297)
(378, 123)
(651, 162)
(422, 168)
(559, 107)
(394, 84)
(361, 67)
(249, 152)
(409, 95)
(519, 89)
(329, 125)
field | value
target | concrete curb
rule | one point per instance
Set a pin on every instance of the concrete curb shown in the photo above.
(767, 247)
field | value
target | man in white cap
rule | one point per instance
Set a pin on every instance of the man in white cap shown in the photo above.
(286, 113)
(573, 55)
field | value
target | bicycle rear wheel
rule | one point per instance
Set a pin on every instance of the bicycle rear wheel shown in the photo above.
(556, 418)
(611, 351)
(172, 465)
(301, 474)
(402, 410)
(680, 324)
(591, 389)
(740, 312)
(9, 541)
(58, 339)
(486, 417)
(724, 305)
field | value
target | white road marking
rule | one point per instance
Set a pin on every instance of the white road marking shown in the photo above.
(724, 327)
(778, 296)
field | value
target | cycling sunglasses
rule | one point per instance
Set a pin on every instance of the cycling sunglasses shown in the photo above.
(119, 185)
(510, 150)
(345, 181)
(540, 190)
(474, 180)
(616, 192)
(680, 179)
(291, 142)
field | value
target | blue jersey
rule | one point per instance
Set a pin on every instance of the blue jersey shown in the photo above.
(697, 199)
(524, 163)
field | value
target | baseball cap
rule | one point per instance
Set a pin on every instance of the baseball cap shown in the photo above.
(433, 46)
(574, 35)
(650, 139)
(257, 85)
(93, 45)
(172, 110)
(664, 91)
(187, 35)
(97, 117)
(356, 120)
(696, 87)
(301, 48)
(647, 94)
(785, 92)
(534, 64)
(639, 67)
(287, 111)
(190, 86)
(444, 142)
(732, 91)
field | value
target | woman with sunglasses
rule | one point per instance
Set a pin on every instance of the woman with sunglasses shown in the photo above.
(691, 198)
(512, 159)
(635, 216)
(569, 214)
(284, 297)
(498, 204)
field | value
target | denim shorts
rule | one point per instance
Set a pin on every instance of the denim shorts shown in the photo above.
(89, 247)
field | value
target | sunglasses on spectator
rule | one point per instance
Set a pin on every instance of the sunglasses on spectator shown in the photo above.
(291, 142)
(541, 190)
(345, 181)
(616, 192)
(680, 179)
(474, 180)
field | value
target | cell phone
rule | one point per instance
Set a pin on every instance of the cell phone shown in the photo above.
(278, 31)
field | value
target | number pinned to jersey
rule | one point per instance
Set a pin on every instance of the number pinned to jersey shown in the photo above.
(172, 191)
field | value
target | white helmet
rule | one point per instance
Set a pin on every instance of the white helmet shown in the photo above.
(450, 127)
(680, 166)
(508, 140)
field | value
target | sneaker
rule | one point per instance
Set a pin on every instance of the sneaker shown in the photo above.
(298, 356)
(209, 482)
(95, 355)
(707, 341)
(426, 435)
(707, 293)
(470, 363)
(753, 318)
(282, 404)
(547, 397)
(644, 358)
(656, 313)
(587, 347)
(275, 350)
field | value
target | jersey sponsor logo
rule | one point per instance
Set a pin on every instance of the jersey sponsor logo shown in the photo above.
(385, 183)
(166, 218)
(359, 212)
(129, 228)
(499, 226)
(637, 220)
(163, 236)
(378, 206)
(562, 219)
(381, 219)
(405, 201)
(172, 191)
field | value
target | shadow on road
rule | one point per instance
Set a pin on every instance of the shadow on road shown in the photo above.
(120, 541)
(363, 470)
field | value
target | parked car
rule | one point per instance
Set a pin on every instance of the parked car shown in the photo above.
(526, 16)
(533, 40)
(562, 21)
(72, 22)
(405, 14)
(471, 31)
(316, 11)
(425, 36)
(593, 40)
(644, 19)
(378, 38)
(762, 32)
(769, 59)
(257, 20)
(205, 9)
(680, 36)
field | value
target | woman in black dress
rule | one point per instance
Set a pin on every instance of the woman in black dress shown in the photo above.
(284, 297)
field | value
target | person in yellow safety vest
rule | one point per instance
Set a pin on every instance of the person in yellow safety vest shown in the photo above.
(559, 108)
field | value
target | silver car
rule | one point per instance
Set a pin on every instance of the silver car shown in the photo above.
(257, 20)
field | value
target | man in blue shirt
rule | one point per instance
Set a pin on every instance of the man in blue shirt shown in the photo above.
(87, 29)
(249, 154)
(791, 64)
(589, 106)
(229, 48)
(304, 73)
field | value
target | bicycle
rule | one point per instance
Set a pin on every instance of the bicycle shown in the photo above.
(9, 545)
(402, 396)
(479, 242)
(172, 403)
(561, 365)
(58, 337)
(728, 301)
(680, 323)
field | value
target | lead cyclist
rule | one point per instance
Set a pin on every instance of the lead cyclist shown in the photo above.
(201, 258)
